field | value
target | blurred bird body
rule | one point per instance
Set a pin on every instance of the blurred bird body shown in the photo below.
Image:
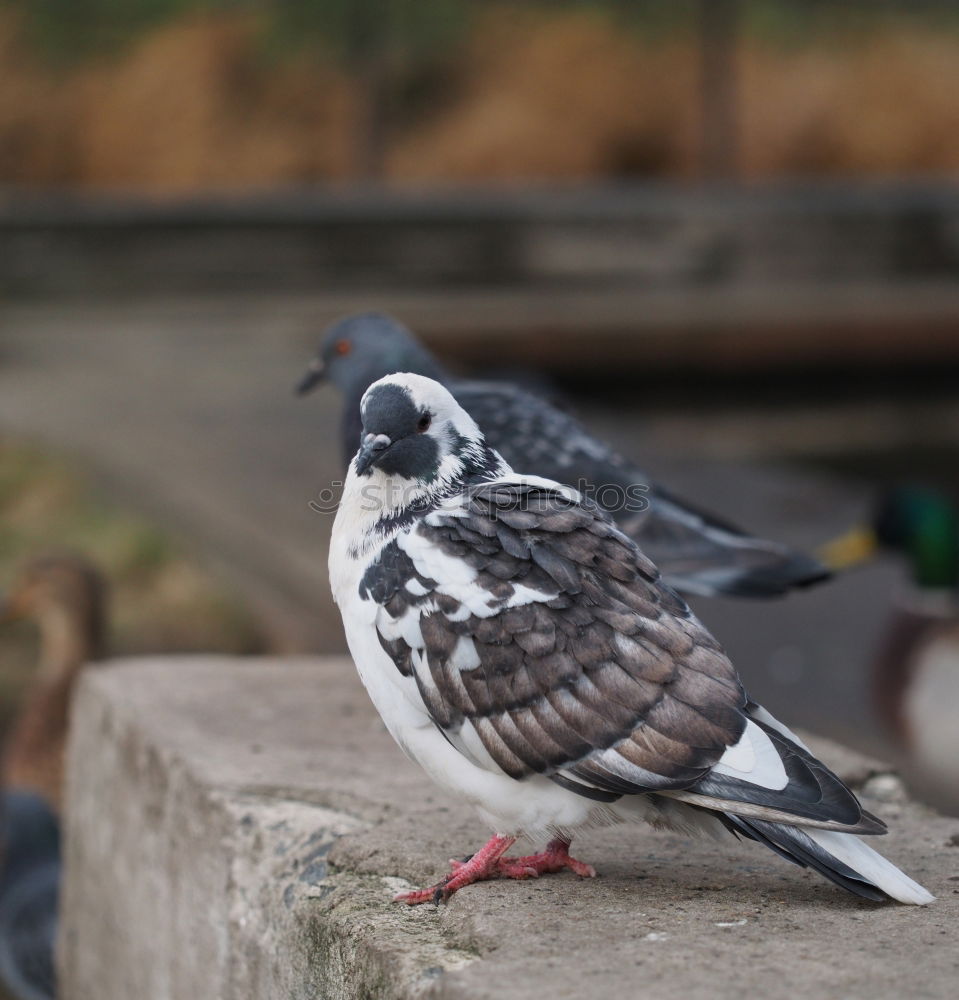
(697, 552)
(916, 685)
(65, 595)
(29, 894)
(524, 652)
(915, 672)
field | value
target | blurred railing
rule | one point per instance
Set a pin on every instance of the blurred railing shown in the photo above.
(653, 236)
(749, 274)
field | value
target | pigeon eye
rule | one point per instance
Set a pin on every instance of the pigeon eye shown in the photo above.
(343, 347)
(424, 423)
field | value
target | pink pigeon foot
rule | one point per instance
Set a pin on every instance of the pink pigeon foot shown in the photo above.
(555, 858)
(489, 863)
(482, 865)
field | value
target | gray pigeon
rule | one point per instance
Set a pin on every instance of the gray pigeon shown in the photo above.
(697, 552)
(525, 653)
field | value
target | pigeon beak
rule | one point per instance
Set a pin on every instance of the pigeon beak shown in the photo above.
(371, 448)
(313, 377)
(849, 549)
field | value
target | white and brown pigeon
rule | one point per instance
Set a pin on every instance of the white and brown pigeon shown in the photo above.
(526, 654)
(698, 552)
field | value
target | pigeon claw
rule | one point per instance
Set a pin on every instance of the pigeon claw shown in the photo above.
(581, 869)
(555, 858)
(508, 868)
(475, 868)
(417, 896)
(489, 863)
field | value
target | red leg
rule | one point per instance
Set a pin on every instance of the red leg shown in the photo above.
(555, 858)
(482, 865)
(489, 863)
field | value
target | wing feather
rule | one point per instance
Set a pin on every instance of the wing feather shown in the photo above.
(698, 552)
(551, 645)
(561, 644)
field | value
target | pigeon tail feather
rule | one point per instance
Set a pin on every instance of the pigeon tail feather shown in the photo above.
(840, 857)
(784, 572)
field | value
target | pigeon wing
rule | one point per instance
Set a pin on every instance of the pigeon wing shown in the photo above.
(537, 631)
(543, 642)
(700, 553)
(697, 552)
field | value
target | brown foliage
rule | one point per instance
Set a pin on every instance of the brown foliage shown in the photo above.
(531, 95)
(567, 97)
(192, 106)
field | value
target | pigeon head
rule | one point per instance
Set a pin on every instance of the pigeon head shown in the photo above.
(359, 349)
(413, 429)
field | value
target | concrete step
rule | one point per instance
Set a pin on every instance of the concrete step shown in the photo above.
(237, 828)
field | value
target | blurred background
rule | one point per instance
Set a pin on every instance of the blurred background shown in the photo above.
(726, 232)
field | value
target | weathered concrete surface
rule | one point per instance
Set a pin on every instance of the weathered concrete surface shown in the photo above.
(236, 830)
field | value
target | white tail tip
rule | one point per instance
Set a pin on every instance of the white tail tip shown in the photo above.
(872, 866)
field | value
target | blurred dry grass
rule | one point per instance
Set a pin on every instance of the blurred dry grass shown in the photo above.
(161, 598)
(563, 97)
(885, 105)
(532, 94)
(189, 107)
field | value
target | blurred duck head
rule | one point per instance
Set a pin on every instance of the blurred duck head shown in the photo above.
(919, 524)
(65, 595)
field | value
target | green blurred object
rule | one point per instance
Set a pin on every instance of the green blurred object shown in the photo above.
(923, 525)
(918, 523)
(74, 29)
(68, 30)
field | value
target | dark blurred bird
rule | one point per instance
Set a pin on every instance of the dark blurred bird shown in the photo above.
(697, 552)
(65, 596)
(29, 894)
(915, 674)
(527, 655)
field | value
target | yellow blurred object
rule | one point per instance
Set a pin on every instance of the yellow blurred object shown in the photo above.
(849, 549)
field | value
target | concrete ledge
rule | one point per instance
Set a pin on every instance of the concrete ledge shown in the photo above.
(237, 827)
